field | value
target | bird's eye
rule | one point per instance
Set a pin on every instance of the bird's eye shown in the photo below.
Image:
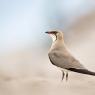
(55, 32)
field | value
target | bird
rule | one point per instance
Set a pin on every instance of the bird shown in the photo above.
(60, 56)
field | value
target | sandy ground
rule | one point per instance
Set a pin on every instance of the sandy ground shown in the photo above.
(76, 85)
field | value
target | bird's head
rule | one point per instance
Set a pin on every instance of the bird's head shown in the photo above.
(55, 35)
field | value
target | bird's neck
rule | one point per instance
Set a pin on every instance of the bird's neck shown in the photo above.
(57, 44)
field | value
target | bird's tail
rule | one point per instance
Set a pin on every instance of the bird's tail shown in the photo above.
(82, 71)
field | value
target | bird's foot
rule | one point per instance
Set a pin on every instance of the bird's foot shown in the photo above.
(63, 74)
(66, 76)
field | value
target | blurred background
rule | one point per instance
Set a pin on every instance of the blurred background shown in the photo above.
(24, 65)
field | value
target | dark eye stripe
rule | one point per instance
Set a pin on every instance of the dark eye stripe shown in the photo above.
(54, 32)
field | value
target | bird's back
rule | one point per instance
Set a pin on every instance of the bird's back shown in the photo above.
(60, 57)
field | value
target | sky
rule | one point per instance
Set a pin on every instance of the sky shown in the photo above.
(23, 22)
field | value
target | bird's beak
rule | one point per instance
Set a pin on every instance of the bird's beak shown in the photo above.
(47, 32)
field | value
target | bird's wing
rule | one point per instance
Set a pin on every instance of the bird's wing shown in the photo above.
(64, 60)
(67, 61)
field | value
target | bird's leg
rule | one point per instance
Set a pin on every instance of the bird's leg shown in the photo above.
(62, 74)
(66, 76)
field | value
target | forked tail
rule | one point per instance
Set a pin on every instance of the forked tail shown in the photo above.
(82, 71)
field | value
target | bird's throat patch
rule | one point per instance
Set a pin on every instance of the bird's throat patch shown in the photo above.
(54, 38)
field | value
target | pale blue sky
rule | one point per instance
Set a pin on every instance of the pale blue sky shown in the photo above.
(23, 22)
